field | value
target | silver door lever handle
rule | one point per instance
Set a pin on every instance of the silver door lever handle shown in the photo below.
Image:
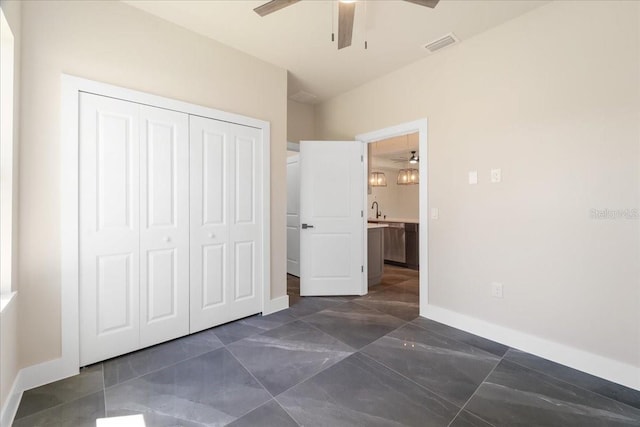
(305, 226)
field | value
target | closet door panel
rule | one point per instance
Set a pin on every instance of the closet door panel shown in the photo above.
(164, 219)
(245, 232)
(214, 275)
(224, 284)
(109, 228)
(209, 234)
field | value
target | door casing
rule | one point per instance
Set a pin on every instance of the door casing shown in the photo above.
(71, 86)
(419, 126)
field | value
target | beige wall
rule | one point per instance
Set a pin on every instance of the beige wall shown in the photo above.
(9, 317)
(554, 101)
(118, 44)
(300, 121)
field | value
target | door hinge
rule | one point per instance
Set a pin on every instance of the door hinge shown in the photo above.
(362, 268)
(362, 158)
(361, 214)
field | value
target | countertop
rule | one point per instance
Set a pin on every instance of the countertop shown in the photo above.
(370, 226)
(406, 220)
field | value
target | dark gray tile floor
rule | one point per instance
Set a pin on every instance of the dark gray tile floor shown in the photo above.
(344, 361)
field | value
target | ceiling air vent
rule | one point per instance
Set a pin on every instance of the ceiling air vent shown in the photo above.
(303, 97)
(442, 42)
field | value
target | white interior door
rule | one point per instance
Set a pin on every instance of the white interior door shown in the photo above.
(109, 228)
(164, 225)
(293, 215)
(226, 228)
(332, 191)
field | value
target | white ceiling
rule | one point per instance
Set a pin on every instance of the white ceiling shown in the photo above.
(394, 152)
(298, 37)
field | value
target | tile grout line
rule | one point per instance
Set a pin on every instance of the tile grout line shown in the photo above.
(104, 390)
(257, 380)
(441, 335)
(409, 379)
(296, 320)
(274, 398)
(568, 382)
(81, 396)
(287, 412)
(388, 314)
(165, 367)
(474, 393)
(355, 350)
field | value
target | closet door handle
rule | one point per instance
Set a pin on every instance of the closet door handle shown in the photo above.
(305, 226)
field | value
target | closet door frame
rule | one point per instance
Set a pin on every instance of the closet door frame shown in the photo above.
(71, 87)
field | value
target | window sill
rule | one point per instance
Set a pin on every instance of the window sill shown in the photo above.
(5, 299)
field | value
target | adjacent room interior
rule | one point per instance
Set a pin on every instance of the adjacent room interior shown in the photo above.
(334, 212)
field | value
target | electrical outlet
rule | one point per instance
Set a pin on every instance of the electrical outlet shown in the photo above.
(496, 290)
(496, 175)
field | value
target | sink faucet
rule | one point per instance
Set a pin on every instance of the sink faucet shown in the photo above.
(378, 214)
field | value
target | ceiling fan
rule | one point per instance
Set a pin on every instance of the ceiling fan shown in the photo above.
(413, 159)
(346, 13)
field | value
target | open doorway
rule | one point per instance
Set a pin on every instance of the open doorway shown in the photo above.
(401, 299)
(388, 149)
(393, 223)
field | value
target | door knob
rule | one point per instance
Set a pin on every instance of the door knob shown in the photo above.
(211, 235)
(167, 239)
(305, 226)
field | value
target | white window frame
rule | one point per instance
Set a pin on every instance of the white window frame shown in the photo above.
(7, 61)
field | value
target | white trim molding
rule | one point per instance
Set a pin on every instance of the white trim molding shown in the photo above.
(276, 304)
(10, 407)
(594, 364)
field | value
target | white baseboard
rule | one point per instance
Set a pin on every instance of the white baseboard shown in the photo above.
(31, 377)
(276, 304)
(10, 407)
(45, 373)
(600, 366)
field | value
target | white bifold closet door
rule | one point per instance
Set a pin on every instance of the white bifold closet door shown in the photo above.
(134, 219)
(226, 231)
(164, 225)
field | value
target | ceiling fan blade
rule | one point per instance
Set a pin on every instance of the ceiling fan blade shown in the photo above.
(428, 3)
(273, 6)
(346, 13)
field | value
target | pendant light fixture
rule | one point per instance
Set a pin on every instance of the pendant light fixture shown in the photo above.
(403, 177)
(409, 176)
(377, 179)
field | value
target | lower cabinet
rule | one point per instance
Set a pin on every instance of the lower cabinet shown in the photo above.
(170, 225)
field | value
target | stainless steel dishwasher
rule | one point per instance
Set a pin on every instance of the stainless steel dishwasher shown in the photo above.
(394, 243)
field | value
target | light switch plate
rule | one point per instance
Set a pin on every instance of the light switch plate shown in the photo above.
(496, 175)
(435, 213)
(473, 177)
